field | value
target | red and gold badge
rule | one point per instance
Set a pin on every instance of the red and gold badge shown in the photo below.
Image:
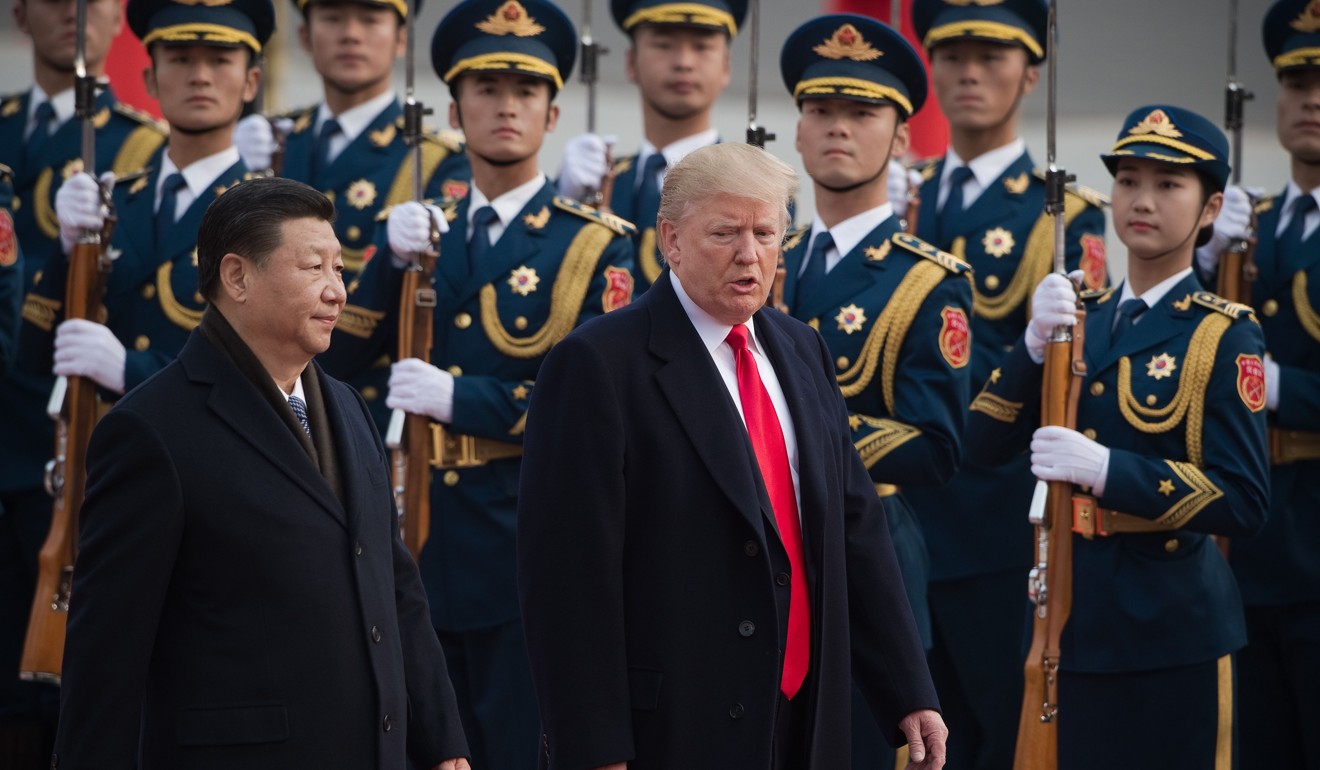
(955, 337)
(618, 288)
(1093, 261)
(998, 242)
(361, 194)
(1161, 366)
(8, 241)
(1251, 381)
(850, 319)
(523, 280)
(454, 188)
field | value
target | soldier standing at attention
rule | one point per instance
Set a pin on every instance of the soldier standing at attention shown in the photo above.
(1169, 449)
(984, 202)
(1279, 674)
(679, 59)
(40, 142)
(519, 268)
(877, 294)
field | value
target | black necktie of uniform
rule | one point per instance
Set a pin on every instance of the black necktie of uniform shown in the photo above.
(953, 205)
(1128, 313)
(41, 131)
(648, 197)
(813, 273)
(167, 215)
(479, 243)
(1290, 241)
(329, 129)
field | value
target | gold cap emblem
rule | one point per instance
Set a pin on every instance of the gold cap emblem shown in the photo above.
(511, 19)
(1158, 123)
(847, 43)
(1308, 20)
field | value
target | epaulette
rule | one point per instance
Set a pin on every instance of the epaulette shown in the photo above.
(138, 116)
(450, 140)
(1264, 204)
(793, 237)
(1096, 295)
(1093, 197)
(926, 168)
(616, 223)
(302, 119)
(1234, 310)
(11, 105)
(622, 164)
(6, 172)
(943, 258)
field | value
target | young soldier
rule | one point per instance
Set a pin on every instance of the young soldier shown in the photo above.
(1169, 449)
(1279, 679)
(679, 59)
(875, 293)
(42, 143)
(519, 268)
(984, 203)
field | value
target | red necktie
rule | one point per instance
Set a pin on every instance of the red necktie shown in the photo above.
(771, 455)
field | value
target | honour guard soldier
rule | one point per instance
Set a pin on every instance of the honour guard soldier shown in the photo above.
(875, 293)
(519, 267)
(11, 276)
(40, 141)
(984, 202)
(1169, 449)
(1277, 570)
(679, 59)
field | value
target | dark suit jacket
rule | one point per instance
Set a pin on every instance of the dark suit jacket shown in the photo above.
(649, 563)
(228, 610)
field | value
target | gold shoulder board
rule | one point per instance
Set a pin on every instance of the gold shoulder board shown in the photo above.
(926, 168)
(139, 116)
(615, 223)
(943, 258)
(793, 237)
(1093, 295)
(1235, 310)
(450, 140)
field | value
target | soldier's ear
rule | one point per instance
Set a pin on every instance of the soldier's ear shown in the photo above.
(551, 117)
(1210, 211)
(304, 38)
(455, 115)
(902, 137)
(1030, 77)
(630, 64)
(149, 80)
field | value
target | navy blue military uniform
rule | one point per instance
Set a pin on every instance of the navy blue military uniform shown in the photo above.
(979, 562)
(1277, 569)
(11, 276)
(1179, 402)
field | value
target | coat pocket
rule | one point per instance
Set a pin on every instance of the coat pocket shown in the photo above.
(644, 688)
(231, 725)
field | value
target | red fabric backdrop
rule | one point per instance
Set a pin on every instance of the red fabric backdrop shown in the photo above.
(124, 67)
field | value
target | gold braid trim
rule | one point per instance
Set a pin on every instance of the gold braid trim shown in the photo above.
(996, 407)
(894, 319)
(402, 190)
(1189, 402)
(1305, 312)
(47, 221)
(138, 150)
(1203, 493)
(1037, 260)
(358, 321)
(41, 311)
(889, 434)
(647, 258)
(565, 298)
(182, 317)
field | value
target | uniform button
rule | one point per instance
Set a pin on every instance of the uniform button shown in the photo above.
(992, 282)
(520, 323)
(1270, 308)
(149, 291)
(198, 298)
(1171, 544)
(462, 320)
(354, 233)
(1097, 388)
(385, 723)
(1150, 400)
(450, 478)
(142, 343)
(783, 579)
(370, 394)
(842, 363)
(456, 370)
(736, 711)
(751, 548)
(746, 628)
(1089, 433)
(375, 634)
(358, 549)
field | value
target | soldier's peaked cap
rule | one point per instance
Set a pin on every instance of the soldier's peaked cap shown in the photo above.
(400, 7)
(1173, 135)
(726, 15)
(1020, 22)
(1291, 31)
(528, 37)
(223, 23)
(847, 56)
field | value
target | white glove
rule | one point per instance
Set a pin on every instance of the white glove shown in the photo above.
(79, 207)
(1232, 223)
(417, 387)
(1271, 384)
(898, 187)
(1063, 454)
(1053, 304)
(88, 349)
(255, 140)
(409, 230)
(584, 164)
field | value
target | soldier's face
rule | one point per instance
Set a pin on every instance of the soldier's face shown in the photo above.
(504, 117)
(680, 71)
(52, 25)
(725, 250)
(979, 84)
(846, 143)
(1159, 207)
(201, 87)
(1299, 114)
(353, 45)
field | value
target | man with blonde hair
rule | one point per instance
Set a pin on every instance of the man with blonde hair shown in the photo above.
(713, 518)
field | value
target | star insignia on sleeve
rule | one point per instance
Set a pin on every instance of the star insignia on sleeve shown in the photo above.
(1166, 487)
(851, 319)
(520, 392)
(995, 374)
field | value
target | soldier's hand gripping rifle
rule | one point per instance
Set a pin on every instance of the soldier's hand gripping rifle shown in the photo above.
(591, 53)
(1237, 265)
(1050, 583)
(409, 436)
(73, 404)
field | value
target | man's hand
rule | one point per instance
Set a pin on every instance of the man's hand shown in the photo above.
(1054, 303)
(79, 208)
(409, 230)
(1063, 454)
(584, 165)
(457, 763)
(926, 738)
(88, 349)
(417, 387)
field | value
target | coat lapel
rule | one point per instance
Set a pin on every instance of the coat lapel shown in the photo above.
(854, 274)
(928, 216)
(363, 156)
(518, 245)
(996, 204)
(1157, 325)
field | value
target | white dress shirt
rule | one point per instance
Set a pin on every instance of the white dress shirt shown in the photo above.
(198, 176)
(674, 152)
(986, 168)
(352, 122)
(847, 234)
(507, 206)
(1285, 214)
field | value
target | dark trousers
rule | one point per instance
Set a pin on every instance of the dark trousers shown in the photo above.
(1279, 695)
(791, 725)
(1150, 720)
(980, 627)
(496, 702)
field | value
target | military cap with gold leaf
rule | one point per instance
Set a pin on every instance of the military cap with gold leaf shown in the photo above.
(527, 37)
(398, 6)
(1172, 135)
(846, 56)
(1011, 22)
(726, 15)
(1292, 34)
(221, 23)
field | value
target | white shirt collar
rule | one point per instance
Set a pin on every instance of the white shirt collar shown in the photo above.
(850, 232)
(986, 168)
(712, 332)
(355, 120)
(62, 102)
(676, 151)
(1154, 294)
(297, 390)
(1292, 193)
(507, 206)
(198, 175)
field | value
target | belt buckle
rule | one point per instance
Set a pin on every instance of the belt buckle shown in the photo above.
(1087, 517)
(453, 450)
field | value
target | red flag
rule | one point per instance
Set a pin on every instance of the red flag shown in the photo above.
(930, 131)
(124, 66)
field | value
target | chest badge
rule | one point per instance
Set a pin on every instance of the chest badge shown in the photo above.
(1161, 366)
(850, 319)
(618, 288)
(998, 242)
(8, 241)
(454, 188)
(1093, 261)
(361, 194)
(523, 280)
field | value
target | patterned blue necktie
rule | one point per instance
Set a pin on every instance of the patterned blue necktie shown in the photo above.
(648, 197)
(41, 131)
(813, 273)
(953, 205)
(299, 408)
(166, 215)
(1128, 313)
(479, 243)
(329, 129)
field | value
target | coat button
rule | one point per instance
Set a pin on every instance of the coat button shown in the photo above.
(783, 579)
(462, 320)
(1097, 388)
(1270, 308)
(736, 711)
(1171, 544)
(751, 548)
(385, 723)
(358, 549)
(747, 628)
(375, 634)
(1089, 433)
(142, 343)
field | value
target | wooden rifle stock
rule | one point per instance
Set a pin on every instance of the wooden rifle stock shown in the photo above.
(1051, 579)
(1237, 267)
(412, 455)
(913, 210)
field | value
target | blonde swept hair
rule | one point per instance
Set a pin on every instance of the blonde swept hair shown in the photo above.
(737, 170)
